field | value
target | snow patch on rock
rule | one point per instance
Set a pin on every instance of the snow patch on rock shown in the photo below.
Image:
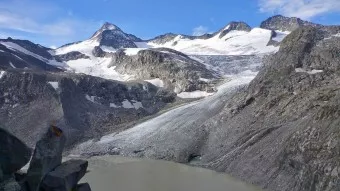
(55, 85)
(301, 70)
(157, 82)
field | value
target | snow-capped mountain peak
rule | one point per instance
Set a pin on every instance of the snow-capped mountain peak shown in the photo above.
(106, 27)
(112, 36)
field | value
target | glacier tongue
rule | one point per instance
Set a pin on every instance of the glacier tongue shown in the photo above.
(175, 130)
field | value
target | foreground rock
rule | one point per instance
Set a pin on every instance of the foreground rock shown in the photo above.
(47, 156)
(66, 176)
(14, 154)
(45, 172)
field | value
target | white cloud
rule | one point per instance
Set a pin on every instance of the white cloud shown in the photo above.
(200, 30)
(46, 21)
(304, 9)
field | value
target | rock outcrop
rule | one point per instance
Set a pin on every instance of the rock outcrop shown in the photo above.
(178, 71)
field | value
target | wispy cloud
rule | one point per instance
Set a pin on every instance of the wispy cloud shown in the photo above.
(305, 9)
(42, 19)
(200, 30)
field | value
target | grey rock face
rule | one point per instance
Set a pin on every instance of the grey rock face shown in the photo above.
(74, 55)
(282, 23)
(47, 156)
(14, 154)
(239, 26)
(66, 176)
(177, 70)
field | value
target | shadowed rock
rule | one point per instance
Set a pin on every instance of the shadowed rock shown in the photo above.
(47, 156)
(66, 176)
(14, 154)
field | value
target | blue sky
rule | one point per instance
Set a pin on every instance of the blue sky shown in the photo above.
(56, 22)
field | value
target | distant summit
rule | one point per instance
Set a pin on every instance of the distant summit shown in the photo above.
(112, 36)
(239, 26)
(283, 23)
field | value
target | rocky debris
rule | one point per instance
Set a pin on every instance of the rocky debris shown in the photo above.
(282, 23)
(66, 176)
(47, 156)
(178, 71)
(14, 154)
(74, 55)
(239, 26)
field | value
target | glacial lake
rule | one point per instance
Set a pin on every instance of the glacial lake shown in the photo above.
(112, 173)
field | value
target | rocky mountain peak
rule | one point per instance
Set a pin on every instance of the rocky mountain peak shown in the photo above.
(106, 27)
(282, 23)
(240, 26)
(109, 26)
(112, 36)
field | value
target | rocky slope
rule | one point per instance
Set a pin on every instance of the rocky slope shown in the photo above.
(281, 132)
(83, 106)
(25, 54)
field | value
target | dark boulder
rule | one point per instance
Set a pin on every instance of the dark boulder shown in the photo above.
(47, 156)
(14, 154)
(66, 176)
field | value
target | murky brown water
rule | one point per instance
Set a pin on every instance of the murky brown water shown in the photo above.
(124, 174)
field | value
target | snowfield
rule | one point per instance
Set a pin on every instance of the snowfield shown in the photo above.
(233, 43)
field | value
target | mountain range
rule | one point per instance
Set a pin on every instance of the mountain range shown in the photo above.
(270, 116)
